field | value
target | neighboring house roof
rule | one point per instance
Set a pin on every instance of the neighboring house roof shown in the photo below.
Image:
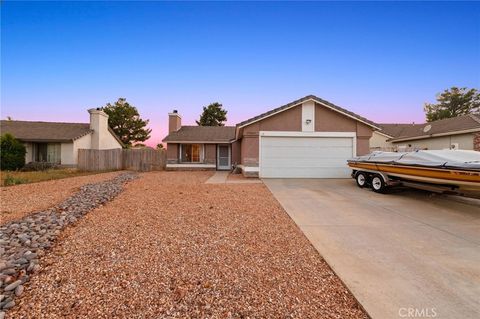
(204, 134)
(455, 125)
(34, 131)
(45, 131)
(304, 99)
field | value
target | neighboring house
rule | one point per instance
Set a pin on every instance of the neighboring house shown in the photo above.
(462, 132)
(309, 137)
(58, 143)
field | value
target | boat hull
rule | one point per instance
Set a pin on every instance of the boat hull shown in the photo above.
(464, 179)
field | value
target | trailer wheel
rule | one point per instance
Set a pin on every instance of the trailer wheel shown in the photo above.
(361, 179)
(378, 184)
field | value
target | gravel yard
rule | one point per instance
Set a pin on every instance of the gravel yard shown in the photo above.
(171, 246)
(20, 200)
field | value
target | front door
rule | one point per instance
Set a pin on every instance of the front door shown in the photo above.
(223, 157)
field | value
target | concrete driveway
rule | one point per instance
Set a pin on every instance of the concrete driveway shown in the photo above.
(409, 254)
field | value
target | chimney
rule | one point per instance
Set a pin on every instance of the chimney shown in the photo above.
(174, 121)
(99, 126)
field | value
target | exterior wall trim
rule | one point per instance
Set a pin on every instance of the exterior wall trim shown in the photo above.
(352, 135)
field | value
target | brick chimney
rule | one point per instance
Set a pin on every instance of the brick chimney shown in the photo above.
(99, 125)
(174, 121)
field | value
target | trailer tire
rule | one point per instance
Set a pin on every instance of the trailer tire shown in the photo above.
(378, 184)
(362, 179)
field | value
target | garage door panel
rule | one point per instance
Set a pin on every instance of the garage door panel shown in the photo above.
(305, 157)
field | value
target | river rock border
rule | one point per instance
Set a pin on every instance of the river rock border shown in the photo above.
(24, 241)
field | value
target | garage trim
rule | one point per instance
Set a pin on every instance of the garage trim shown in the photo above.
(353, 135)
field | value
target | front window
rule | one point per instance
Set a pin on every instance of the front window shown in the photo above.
(47, 152)
(190, 153)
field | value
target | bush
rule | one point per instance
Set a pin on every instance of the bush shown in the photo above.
(12, 153)
(10, 181)
(38, 166)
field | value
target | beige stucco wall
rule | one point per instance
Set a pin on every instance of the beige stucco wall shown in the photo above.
(67, 154)
(84, 142)
(101, 138)
(465, 142)
(379, 142)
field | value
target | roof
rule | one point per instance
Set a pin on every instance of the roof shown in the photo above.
(212, 134)
(45, 131)
(304, 99)
(454, 125)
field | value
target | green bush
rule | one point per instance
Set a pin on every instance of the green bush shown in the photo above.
(12, 153)
(10, 181)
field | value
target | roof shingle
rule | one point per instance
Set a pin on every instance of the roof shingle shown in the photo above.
(450, 125)
(202, 134)
(45, 131)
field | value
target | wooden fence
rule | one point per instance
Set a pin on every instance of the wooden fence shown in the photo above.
(144, 159)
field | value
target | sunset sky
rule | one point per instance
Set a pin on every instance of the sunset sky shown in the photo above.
(382, 60)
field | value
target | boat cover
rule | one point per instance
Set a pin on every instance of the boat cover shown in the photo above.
(460, 159)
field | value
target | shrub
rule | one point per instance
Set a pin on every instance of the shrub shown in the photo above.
(38, 166)
(12, 153)
(10, 181)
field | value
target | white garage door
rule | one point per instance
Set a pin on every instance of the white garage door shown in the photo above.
(305, 157)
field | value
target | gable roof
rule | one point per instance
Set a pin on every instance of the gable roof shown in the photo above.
(304, 99)
(45, 131)
(450, 126)
(204, 134)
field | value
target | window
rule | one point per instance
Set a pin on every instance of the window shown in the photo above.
(190, 153)
(47, 152)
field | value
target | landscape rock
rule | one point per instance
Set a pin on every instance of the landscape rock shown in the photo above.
(23, 241)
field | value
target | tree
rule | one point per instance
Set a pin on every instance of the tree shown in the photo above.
(12, 153)
(213, 115)
(159, 146)
(452, 103)
(125, 121)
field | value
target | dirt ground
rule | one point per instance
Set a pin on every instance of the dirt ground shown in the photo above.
(172, 246)
(20, 200)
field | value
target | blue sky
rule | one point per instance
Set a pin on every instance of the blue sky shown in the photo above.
(382, 60)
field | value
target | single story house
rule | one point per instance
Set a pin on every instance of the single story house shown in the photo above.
(58, 143)
(462, 132)
(309, 137)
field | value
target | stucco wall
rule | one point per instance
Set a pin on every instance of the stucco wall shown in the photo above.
(67, 154)
(289, 120)
(84, 142)
(172, 153)
(236, 152)
(379, 142)
(465, 142)
(210, 153)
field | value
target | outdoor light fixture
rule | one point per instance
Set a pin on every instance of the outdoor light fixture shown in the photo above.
(308, 121)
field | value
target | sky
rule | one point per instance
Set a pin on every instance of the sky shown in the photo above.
(381, 60)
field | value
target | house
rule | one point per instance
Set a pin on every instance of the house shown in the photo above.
(58, 143)
(462, 132)
(309, 137)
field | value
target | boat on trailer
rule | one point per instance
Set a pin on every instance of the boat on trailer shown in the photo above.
(449, 171)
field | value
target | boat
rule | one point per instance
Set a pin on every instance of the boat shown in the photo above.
(451, 170)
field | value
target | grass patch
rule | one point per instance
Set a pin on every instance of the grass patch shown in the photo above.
(9, 178)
